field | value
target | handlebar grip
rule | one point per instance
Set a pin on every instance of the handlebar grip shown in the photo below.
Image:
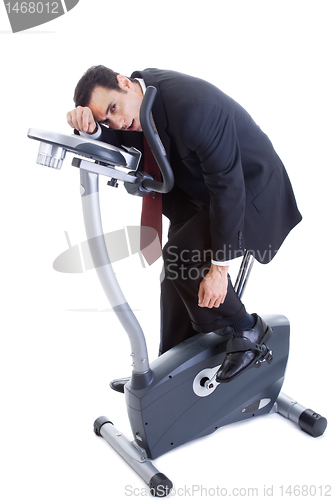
(155, 145)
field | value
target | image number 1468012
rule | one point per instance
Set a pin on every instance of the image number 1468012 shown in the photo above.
(23, 15)
(33, 7)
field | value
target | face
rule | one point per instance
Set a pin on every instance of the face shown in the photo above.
(118, 110)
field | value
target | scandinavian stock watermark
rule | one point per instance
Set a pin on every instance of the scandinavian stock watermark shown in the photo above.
(225, 253)
(125, 242)
(120, 244)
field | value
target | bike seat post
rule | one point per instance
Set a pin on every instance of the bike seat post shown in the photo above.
(244, 273)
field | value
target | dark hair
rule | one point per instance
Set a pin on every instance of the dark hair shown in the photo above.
(96, 76)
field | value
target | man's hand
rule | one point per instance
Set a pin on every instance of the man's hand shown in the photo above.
(214, 286)
(82, 119)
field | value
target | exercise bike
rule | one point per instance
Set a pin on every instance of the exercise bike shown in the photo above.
(174, 399)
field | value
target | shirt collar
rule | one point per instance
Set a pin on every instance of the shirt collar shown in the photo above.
(142, 84)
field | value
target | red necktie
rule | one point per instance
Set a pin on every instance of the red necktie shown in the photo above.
(151, 216)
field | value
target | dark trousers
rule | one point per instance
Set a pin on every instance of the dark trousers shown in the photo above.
(187, 258)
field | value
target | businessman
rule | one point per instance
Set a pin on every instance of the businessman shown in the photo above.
(231, 194)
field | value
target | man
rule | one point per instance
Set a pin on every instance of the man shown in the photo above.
(231, 193)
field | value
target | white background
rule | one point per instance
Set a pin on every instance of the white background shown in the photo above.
(57, 358)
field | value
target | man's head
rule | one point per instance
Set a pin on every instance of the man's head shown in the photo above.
(114, 99)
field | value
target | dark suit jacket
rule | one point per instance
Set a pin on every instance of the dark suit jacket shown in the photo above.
(221, 158)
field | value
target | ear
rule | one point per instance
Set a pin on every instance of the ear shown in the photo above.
(123, 82)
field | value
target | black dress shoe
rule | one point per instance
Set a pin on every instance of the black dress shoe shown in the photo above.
(245, 349)
(118, 384)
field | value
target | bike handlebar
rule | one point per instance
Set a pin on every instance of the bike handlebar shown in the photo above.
(155, 145)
